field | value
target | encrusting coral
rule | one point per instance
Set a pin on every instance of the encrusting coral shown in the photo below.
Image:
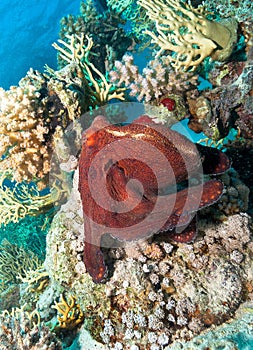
(187, 34)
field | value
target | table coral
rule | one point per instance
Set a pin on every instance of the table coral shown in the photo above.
(187, 34)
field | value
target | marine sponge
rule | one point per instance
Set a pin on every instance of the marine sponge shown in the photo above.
(188, 34)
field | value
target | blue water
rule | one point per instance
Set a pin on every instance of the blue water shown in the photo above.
(27, 30)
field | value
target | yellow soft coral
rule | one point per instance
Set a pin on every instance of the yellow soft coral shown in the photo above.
(19, 200)
(188, 34)
(100, 90)
(15, 261)
(69, 312)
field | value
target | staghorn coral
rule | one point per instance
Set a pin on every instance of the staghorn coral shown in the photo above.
(15, 262)
(187, 34)
(157, 79)
(19, 332)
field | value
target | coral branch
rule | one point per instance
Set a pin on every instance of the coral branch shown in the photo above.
(188, 34)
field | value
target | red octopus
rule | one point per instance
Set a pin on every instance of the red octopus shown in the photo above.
(135, 180)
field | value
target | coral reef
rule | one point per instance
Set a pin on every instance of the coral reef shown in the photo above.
(159, 292)
(15, 261)
(235, 198)
(229, 8)
(235, 335)
(110, 39)
(136, 18)
(241, 153)
(157, 79)
(187, 34)
(18, 200)
(32, 120)
(229, 102)
(19, 332)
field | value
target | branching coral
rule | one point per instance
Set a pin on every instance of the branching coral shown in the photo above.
(19, 200)
(98, 91)
(33, 118)
(241, 10)
(19, 332)
(70, 314)
(156, 80)
(36, 279)
(110, 39)
(187, 34)
(23, 133)
(15, 262)
(136, 17)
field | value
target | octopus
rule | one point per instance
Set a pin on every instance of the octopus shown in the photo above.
(140, 179)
